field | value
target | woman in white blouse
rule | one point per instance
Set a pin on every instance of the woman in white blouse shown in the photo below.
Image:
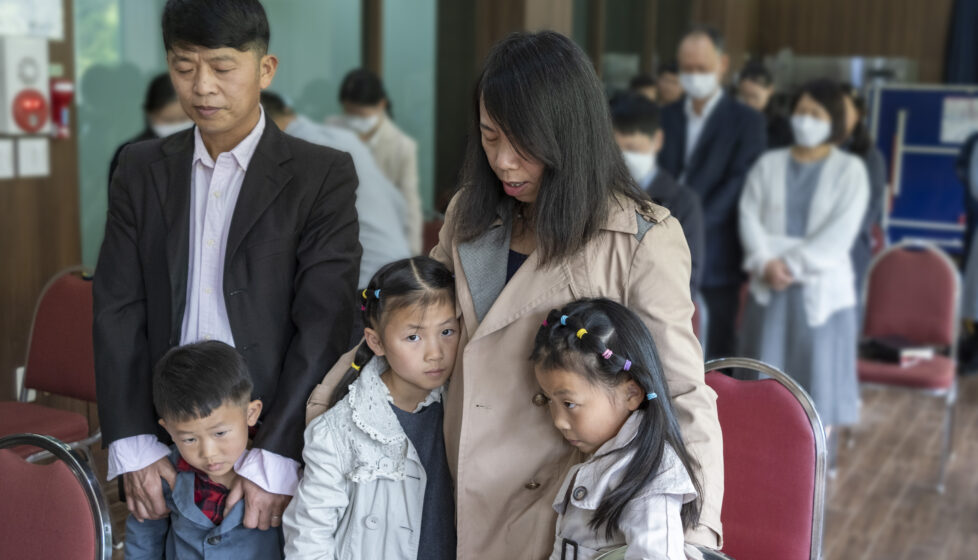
(800, 212)
(367, 111)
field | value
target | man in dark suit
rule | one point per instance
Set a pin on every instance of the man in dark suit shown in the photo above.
(230, 231)
(711, 142)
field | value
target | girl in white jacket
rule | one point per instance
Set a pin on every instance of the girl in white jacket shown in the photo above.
(376, 481)
(599, 371)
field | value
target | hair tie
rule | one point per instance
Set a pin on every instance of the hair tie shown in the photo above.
(627, 366)
(651, 396)
(581, 333)
(607, 354)
(377, 294)
(364, 293)
(545, 323)
(563, 320)
(363, 308)
(355, 366)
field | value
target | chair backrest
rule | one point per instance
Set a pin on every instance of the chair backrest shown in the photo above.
(912, 291)
(774, 464)
(51, 511)
(60, 358)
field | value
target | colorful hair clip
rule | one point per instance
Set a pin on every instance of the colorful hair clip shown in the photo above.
(581, 333)
(606, 354)
(563, 320)
(363, 308)
(651, 396)
(377, 294)
(627, 366)
(364, 293)
(545, 323)
(355, 366)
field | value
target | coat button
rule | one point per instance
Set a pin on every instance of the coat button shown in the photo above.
(580, 493)
(371, 522)
(539, 399)
(214, 541)
(532, 485)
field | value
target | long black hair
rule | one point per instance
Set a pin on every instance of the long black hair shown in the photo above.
(611, 326)
(859, 142)
(541, 89)
(420, 281)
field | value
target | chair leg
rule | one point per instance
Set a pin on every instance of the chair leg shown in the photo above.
(949, 401)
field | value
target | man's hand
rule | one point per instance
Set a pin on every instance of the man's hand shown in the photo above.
(144, 490)
(262, 509)
(778, 275)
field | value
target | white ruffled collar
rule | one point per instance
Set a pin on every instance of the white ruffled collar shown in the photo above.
(370, 402)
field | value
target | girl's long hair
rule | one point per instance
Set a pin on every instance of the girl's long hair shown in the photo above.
(541, 89)
(418, 281)
(611, 326)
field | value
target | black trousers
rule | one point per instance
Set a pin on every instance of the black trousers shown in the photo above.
(723, 305)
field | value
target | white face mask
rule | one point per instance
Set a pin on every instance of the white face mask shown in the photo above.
(165, 129)
(362, 125)
(809, 131)
(699, 85)
(639, 165)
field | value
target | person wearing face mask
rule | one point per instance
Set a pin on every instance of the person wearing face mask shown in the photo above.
(367, 111)
(711, 140)
(755, 88)
(163, 113)
(800, 212)
(636, 123)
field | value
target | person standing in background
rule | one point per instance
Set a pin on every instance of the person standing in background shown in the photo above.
(667, 87)
(367, 111)
(711, 141)
(643, 84)
(755, 88)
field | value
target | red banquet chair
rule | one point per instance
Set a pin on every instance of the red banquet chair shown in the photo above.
(53, 510)
(59, 361)
(912, 290)
(774, 461)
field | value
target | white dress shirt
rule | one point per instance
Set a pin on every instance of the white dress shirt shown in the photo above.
(214, 188)
(695, 123)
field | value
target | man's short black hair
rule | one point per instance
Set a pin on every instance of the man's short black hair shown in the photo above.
(756, 72)
(640, 81)
(708, 31)
(633, 112)
(192, 381)
(668, 67)
(274, 105)
(215, 24)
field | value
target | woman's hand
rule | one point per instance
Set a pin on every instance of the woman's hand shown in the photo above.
(777, 275)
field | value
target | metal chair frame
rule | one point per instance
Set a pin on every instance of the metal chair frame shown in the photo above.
(86, 478)
(950, 395)
(818, 431)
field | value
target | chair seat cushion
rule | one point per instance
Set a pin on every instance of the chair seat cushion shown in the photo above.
(23, 418)
(936, 373)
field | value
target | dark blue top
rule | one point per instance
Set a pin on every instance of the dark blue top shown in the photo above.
(513, 263)
(424, 429)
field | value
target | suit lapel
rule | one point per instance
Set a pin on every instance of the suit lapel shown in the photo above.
(263, 181)
(710, 129)
(171, 176)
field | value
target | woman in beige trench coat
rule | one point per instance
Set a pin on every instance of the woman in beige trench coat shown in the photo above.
(547, 214)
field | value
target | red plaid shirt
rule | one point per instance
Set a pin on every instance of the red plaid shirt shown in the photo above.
(208, 495)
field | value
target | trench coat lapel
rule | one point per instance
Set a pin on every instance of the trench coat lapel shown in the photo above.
(483, 261)
(171, 177)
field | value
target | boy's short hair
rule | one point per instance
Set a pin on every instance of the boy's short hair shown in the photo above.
(632, 112)
(668, 67)
(191, 381)
(215, 24)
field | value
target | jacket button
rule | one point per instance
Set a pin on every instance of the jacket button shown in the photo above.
(213, 541)
(539, 399)
(532, 485)
(580, 493)
(371, 522)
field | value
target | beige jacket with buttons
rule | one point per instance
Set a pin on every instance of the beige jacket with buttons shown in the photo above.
(507, 458)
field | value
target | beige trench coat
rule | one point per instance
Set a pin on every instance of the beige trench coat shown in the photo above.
(507, 458)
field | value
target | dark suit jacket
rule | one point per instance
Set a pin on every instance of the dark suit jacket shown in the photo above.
(289, 277)
(684, 204)
(732, 139)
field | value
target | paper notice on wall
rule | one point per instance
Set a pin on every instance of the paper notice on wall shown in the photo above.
(33, 18)
(960, 119)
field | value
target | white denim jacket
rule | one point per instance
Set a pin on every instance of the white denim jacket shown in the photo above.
(650, 525)
(362, 492)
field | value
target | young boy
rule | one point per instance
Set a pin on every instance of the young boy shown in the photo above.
(202, 393)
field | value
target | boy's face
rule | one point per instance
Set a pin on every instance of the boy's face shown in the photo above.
(212, 444)
(639, 142)
(219, 89)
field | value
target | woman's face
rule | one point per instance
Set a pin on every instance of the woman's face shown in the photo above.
(519, 175)
(754, 94)
(852, 115)
(808, 106)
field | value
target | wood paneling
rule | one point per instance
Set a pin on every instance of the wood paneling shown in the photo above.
(372, 37)
(39, 232)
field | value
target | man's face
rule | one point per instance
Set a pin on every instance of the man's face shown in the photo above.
(698, 55)
(219, 88)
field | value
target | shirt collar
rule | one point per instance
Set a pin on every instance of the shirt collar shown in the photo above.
(242, 152)
(707, 109)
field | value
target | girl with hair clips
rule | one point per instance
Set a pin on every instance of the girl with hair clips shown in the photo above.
(547, 213)
(377, 483)
(599, 372)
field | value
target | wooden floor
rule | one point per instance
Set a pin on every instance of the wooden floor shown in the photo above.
(882, 503)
